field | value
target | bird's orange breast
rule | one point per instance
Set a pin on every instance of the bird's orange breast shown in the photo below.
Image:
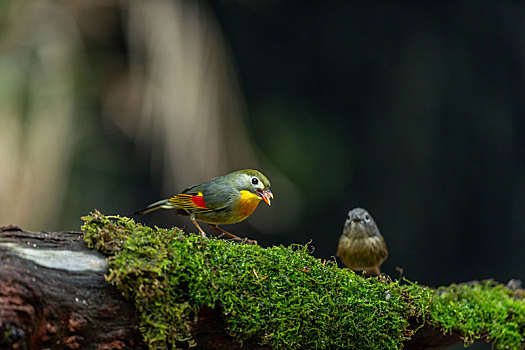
(247, 204)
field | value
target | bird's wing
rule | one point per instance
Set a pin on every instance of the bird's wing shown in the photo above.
(189, 201)
(203, 198)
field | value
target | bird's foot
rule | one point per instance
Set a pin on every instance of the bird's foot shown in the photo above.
(247, 241)
(232, 236)
(250, 241)
(240, 240)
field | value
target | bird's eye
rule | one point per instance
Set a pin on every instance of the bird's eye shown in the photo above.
(255, 180)
(367, 218)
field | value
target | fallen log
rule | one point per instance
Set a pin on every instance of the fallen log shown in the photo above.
(54, 293)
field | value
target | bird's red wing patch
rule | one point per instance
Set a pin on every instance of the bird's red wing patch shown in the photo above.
(198, 201)
(188, 201)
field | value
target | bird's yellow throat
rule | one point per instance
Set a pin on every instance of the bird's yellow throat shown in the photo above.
(248, 203)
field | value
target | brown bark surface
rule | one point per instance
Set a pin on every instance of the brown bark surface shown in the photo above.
(59, 306)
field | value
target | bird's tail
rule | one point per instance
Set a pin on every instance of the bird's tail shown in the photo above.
(163, 204)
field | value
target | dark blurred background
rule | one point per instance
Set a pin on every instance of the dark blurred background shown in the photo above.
(415, 112)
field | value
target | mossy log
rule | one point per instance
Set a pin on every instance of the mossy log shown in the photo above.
(54, 293)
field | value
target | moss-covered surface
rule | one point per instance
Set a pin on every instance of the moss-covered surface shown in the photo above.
(283, 296)
(482, 310)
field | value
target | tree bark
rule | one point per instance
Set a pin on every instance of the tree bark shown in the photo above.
(53, 295)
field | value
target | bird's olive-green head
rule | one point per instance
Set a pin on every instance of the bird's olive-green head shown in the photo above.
(253, 181)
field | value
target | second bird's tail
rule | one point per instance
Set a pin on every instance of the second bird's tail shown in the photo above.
(163, 204)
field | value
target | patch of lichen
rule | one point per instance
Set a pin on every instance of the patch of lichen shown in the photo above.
(283, 296)
(481, 310)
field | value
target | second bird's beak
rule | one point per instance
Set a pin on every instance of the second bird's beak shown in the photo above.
(266, 196)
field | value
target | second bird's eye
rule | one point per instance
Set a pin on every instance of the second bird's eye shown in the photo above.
(255, 180)
(367, 218)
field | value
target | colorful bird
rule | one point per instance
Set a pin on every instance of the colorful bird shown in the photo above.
(226, 199)
(361, 246)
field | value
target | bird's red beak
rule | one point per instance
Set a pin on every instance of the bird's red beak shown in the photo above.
(266, 195)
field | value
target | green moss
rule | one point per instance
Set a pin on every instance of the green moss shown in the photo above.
(283, 296)
(478, 310)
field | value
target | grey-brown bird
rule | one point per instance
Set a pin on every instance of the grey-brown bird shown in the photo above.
(361, 246)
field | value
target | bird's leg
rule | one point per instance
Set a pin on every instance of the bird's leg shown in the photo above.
(231, 235)
(373, 271)
(224, 232)
(201, 232)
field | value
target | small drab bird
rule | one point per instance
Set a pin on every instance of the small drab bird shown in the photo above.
(361, 246)
(226, 199)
